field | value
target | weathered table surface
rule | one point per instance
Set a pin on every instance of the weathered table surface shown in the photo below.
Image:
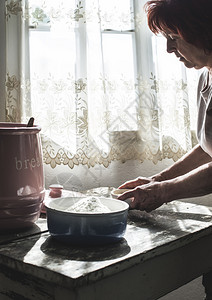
(161, 251)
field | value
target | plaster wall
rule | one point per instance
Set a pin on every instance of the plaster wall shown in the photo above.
(81, 177)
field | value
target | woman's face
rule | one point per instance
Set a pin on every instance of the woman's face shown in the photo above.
(191, 56)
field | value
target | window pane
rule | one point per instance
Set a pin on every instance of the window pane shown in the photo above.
(52, 52)
(58, 15)
(118, 55)
(176, 88)
(120, 80)
(116, 14)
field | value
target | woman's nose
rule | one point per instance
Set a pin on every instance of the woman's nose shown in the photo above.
(170, 46)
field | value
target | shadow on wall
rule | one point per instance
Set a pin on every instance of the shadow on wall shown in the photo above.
(81, 178)
(69, 181)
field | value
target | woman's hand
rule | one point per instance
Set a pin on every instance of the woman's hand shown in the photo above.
(131, 184)
(146, 196)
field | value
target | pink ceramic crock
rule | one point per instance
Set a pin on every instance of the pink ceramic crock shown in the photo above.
(21, 176)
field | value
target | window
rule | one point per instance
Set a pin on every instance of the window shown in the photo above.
(99, 85)
(63, 50)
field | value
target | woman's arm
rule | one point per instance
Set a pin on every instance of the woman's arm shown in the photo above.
(192, 160)
(195, 183)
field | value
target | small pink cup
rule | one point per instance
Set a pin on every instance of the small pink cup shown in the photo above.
(21, 176)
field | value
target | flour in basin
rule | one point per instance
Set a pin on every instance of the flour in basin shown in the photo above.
(89, 205)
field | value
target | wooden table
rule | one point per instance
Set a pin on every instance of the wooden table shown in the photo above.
(160, 252)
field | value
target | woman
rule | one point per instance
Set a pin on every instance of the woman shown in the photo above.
(187, 26)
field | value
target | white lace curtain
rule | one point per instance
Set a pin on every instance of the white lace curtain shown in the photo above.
(88, 117)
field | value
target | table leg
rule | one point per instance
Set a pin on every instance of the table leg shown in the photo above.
(207, 283)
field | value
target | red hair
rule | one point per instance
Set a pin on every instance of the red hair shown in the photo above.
(191, 19)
